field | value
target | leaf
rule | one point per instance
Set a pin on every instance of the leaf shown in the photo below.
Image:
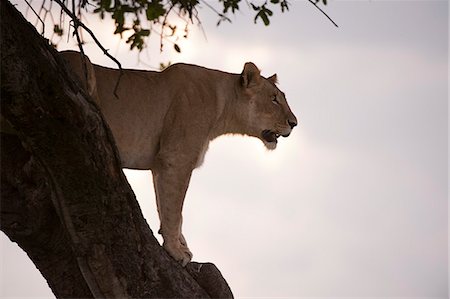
(120, 29)
(136, 41)
(284, 6)
(154, 10)
(227, 4)
(127, 8)
(58, 30)
(105, 3)
(144, 32)
(264, 13)
(268, 11)
(163, 66)
(265, 18)
(173, 28)
(118, 16)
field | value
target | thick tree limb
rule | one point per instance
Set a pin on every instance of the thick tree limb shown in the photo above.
(64, 198)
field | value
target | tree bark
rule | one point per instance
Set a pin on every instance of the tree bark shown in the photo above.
(64, 198)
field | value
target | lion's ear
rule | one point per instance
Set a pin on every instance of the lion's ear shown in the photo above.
(250, 75)
(273, 79)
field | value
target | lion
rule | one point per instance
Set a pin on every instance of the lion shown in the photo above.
(164, 122)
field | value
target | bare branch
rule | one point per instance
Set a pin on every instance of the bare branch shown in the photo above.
(80, 46)
(39, 18)
(221, 15)
(78, 23)
(331, 20)
(161, 35)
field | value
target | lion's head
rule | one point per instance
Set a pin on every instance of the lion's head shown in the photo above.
(267, 111)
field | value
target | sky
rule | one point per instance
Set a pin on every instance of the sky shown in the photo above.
(355, 202)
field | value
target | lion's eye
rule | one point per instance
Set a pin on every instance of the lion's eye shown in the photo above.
(275, 100)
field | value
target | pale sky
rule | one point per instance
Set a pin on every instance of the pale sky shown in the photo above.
(355, 202)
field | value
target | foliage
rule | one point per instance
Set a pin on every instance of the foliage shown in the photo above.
(141, 18)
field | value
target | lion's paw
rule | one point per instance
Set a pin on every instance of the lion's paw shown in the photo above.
(180, 252)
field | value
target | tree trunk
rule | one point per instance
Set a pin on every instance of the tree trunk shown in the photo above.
(64, 198)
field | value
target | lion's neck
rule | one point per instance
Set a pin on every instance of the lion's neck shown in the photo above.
(231, 117)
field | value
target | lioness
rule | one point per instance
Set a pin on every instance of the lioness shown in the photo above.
(164, 121)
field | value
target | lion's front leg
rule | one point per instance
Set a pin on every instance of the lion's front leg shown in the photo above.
(171, 185)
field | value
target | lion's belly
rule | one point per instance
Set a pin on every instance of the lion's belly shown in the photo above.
(137, 160)
(136, 117)
(137, 139)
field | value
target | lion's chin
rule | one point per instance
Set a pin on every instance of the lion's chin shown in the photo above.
(270, 145)
(269, 138)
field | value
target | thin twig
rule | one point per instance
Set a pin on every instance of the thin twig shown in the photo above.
(61, 23)
(331, 20)
(221, 15)
(162, 28)
(39, 18)
(80, 46)
(199, 24)
(29, 5)
(77, 23)
(40, 11)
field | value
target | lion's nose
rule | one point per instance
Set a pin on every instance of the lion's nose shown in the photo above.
(292, 123)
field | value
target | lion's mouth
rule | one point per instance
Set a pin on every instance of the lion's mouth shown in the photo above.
(270, 136)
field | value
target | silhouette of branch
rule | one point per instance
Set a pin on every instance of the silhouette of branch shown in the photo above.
(222, 16)
(80, 46)
(315, 4)
(161, 35)
(39, 18)
(78, 23)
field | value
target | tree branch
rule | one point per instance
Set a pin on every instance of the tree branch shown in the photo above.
(78, 23)
(315, 4)
(39, 18)
(222, 16)
(80, 46)
(161, 34)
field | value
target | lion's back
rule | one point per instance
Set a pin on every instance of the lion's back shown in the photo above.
(148, 102)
